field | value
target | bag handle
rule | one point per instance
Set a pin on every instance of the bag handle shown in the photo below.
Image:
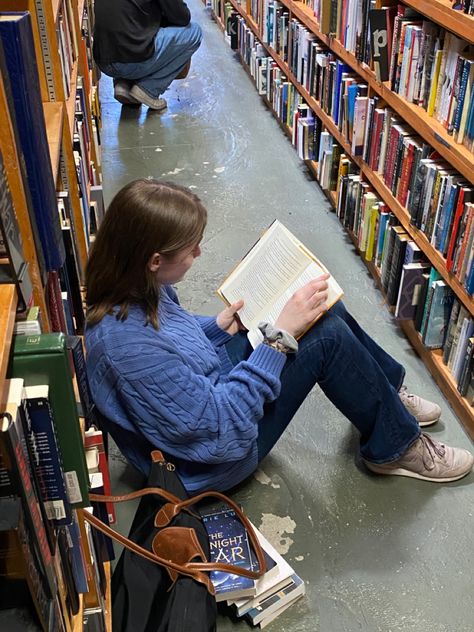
(164, 517)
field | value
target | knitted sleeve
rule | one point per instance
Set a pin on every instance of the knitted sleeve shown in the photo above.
(210, 327)
(192, 418)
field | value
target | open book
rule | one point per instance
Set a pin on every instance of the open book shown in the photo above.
(269, 274)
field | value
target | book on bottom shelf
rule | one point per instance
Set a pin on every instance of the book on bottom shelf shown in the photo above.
(22, 582)
(44, 359)
(411, 282)
(439, 305)
(94, 440)
(16, 480)
(50, 467)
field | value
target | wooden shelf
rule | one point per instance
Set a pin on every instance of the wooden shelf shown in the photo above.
(432, 359)
(439, 371)
(426, 126)
(53, 118)
(440, 11)
(108, 597)
(8, 301)
(77, 623)
(55, 4)
(434, 256)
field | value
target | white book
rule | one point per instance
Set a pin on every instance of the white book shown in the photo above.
(271, 617)
(274, 579)
(276, 601)
(269, 274)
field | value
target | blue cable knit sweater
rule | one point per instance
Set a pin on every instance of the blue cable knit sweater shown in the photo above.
(177, 389)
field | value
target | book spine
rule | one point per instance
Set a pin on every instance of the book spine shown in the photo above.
(13, 450)
(50, 468)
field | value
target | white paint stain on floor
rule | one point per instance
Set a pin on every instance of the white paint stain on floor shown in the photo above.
(278, 531)
(264, 479)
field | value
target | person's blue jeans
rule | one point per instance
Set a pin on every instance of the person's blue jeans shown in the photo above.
(357, 375)
(174, 47)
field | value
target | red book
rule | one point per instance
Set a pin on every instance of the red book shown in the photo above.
(93, 438)
(465, 195)
(55, 302)
(405, 176)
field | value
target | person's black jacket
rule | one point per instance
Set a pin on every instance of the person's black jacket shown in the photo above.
(124, 30)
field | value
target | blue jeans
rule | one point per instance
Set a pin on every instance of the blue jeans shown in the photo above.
(357, 375)
(174, 47)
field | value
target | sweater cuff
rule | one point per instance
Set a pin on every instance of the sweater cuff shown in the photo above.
(268, 358)
(215, 334)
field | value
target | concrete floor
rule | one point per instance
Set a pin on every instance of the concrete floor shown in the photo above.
(383, 554)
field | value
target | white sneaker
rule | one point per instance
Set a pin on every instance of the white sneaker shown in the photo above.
(428, 460)
(122, 93)
(153, 103)
(425, 412)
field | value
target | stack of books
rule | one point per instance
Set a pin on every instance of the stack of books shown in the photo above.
(261, 601)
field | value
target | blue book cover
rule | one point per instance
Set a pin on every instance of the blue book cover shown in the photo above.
(448, 211)
(76, 555)
(17, 38)
(49, 467)
(229, 544)
(441, 301)
(340, 69)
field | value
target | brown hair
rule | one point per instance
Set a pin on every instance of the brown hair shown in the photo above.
(144, 217)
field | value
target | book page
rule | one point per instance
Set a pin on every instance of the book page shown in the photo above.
(311, 272)
(268, 270)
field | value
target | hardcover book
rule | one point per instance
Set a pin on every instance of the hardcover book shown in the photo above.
(14, 469)
(50, 466)
(21, 573)
(44, 359)
(17, 37)
(439, 308)
(274, 268)
(411, 281)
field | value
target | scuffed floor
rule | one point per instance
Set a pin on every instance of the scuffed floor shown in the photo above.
(377, 554)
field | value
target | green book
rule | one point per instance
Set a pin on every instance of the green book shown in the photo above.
(44, 359)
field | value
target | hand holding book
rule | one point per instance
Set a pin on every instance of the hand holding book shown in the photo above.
(281, 282)
(304, 307)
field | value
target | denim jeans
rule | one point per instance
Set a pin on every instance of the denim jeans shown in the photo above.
(174, 47)
(354, 372)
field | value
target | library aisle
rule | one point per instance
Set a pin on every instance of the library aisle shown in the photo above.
(385, 554)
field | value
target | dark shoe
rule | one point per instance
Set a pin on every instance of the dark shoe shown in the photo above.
(425, 412)
(184, 73)
(428, 460)
(153, 103)
(122, 94)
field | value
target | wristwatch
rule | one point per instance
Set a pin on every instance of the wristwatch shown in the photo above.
(279, 339)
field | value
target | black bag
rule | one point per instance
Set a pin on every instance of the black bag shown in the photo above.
(160, 582)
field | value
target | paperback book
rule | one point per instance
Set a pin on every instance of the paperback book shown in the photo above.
(229, 544)
(269, 274)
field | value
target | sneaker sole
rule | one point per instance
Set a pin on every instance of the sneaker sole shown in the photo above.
(400, 471)
(430, 422)
(144, 99)
(126, 100)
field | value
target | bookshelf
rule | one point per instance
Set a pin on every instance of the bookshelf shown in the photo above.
(7, 320)
(69, 124)
(428, 128)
